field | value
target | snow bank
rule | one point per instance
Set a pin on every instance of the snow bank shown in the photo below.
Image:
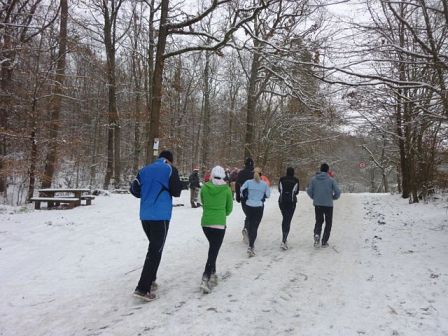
(72, 272)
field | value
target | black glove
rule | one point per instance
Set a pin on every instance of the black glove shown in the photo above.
(135, 188)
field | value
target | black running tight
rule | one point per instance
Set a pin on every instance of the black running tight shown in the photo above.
(254, 215)
(215, 238)
(287, 213)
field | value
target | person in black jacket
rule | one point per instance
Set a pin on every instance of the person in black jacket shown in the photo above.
(194, 188)
(233, 177)
(288, 187)
(247, 173)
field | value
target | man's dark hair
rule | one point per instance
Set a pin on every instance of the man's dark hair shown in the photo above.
(324, 168)
(167, 155)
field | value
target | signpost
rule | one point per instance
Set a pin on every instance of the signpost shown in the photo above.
(155, 147)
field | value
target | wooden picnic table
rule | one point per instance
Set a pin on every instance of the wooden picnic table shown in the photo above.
(51, 192)
(55, 196)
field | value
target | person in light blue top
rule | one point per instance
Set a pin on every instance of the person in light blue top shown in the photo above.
(254, 192)
(323, 190)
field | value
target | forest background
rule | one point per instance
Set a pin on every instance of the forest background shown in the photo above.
(89, 86)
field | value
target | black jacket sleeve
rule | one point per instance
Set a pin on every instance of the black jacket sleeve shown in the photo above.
(244, 175)
(298, 186)
(175, 184)
(238, 188)
(237, 193)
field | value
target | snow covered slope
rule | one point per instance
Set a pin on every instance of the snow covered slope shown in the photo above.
(72, 272)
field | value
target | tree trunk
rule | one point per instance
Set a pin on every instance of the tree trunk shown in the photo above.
(33, 162)
(400, 112)
(230, 126)
(206, 114)
(149, 84)
(93, 151)
(110, 155)
(385, 182)
(113, 136)
(412, 157)
(136, 149)
(196, 136)
(34, 128)
(5, 102)
(372, 180)
(137, 117)
(117, 154)
(399, 184)
(249, 143)
(383, 165)
(401, 145)
(56, 100)
(156, 99)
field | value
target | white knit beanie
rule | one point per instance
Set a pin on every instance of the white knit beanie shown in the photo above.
(218, 174)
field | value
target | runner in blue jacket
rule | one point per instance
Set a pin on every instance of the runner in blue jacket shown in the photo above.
(155, 185)
(323, 190)
(254, 192)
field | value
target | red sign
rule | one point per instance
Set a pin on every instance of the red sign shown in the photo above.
(362, 165)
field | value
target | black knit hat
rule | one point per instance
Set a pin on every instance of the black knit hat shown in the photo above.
(249, 162)
(167, 155)
(324, 168)
(289, 171)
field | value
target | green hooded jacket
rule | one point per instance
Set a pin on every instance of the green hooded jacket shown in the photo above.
(217, 203)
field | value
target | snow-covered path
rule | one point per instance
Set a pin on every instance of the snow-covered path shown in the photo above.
(72, 272)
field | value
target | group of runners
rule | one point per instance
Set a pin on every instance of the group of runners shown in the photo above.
(158, 182)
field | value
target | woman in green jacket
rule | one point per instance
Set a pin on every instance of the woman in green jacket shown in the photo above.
(217, 204)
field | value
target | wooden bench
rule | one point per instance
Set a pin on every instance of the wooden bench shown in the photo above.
(120, 191)
(87, 198)
(55, 201)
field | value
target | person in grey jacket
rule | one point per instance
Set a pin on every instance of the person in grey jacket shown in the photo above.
(323, 190)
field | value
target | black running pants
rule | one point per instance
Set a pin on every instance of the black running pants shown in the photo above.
(254, 215)
(323, 213)
(246, 219)
(287, 210)
(215, 238)
(156, 231)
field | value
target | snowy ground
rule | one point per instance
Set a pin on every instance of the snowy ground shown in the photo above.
(72, 272)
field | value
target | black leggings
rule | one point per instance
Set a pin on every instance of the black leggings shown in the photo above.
(215, 238)
(287, 213)
(156, 231)
(246, 218)
(254, 215)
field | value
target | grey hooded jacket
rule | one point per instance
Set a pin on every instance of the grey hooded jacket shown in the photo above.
(323, 190)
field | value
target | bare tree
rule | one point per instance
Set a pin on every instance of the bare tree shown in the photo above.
(109, 32)
(18, 28)
(169, 27)
(277, 40)
(55, 101)
(404, 46)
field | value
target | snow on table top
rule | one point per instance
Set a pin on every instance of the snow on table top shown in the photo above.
(64, 190)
